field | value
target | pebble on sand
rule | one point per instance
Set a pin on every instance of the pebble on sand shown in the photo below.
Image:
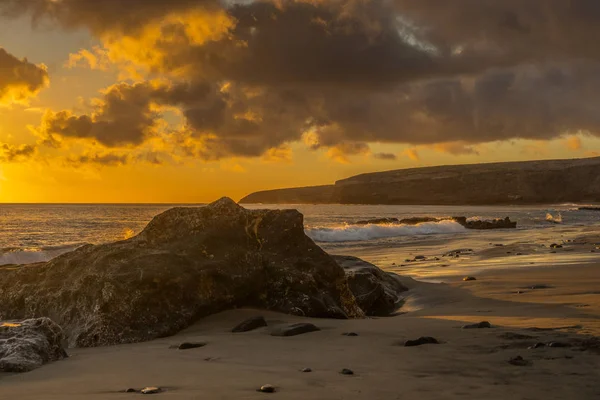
(190, 345)
(420, 341)
(306, 370)
(349, 334)
(250, 324)
(267, 389)
(480, 325)
(519, 361)
(469, 278)
(346, 371)
(150, 390)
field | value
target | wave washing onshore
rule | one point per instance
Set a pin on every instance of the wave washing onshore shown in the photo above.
(33, 233)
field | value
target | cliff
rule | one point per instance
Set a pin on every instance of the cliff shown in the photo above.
(529, 182)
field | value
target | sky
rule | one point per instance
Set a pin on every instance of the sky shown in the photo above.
(190, 100)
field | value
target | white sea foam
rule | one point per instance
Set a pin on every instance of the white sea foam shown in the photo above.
(351, 233)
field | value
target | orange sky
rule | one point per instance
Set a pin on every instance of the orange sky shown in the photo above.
(83, 62)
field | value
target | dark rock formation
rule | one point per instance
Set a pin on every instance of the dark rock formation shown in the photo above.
(294, 329)
(469, 278)
(27, 345)
(250, 324)
(377, 292)
(505, 223)
(418, 220)
(186, 264)
(421, 341)
(589, 208)
(531, 182)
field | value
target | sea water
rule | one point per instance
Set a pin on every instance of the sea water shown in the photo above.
(38, 232)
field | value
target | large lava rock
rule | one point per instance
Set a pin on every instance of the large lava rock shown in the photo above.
(377, 292)
(186, 264)
(27, 345)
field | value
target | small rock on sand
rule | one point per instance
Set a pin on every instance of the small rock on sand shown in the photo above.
(190, 345)
(306, 370)
(346, 371)
(267, 389)
(150, 390)
(250, 324)
(131, 390)
(350, 334)
(420, 341)
(420, 257)
(480, 325)
(519, 361)
(469, 278)
(294, 329)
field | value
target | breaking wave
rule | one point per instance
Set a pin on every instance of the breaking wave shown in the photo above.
(17, 255)
(351, 233)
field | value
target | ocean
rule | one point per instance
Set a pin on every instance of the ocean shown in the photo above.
(38, 232)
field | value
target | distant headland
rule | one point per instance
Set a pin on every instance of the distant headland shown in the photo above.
(527, 182)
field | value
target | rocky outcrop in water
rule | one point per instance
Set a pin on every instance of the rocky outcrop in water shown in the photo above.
(186, 264)
(377, 292)
(505, 223)
(27, 345)
(530, 182)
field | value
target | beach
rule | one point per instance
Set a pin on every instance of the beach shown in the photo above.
(537, 288)
(468, 363)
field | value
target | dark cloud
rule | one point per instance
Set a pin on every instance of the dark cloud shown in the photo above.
(12, 153)
(99, 16)
(19, 79)
(108, 159)
(123, 116)
(345, 73)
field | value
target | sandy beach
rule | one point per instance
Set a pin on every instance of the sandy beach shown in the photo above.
(467, 364)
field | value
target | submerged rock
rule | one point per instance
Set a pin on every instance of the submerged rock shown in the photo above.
(250, 324)
(294, 329)
(27, 345)
(378, 293)
(186, 264)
